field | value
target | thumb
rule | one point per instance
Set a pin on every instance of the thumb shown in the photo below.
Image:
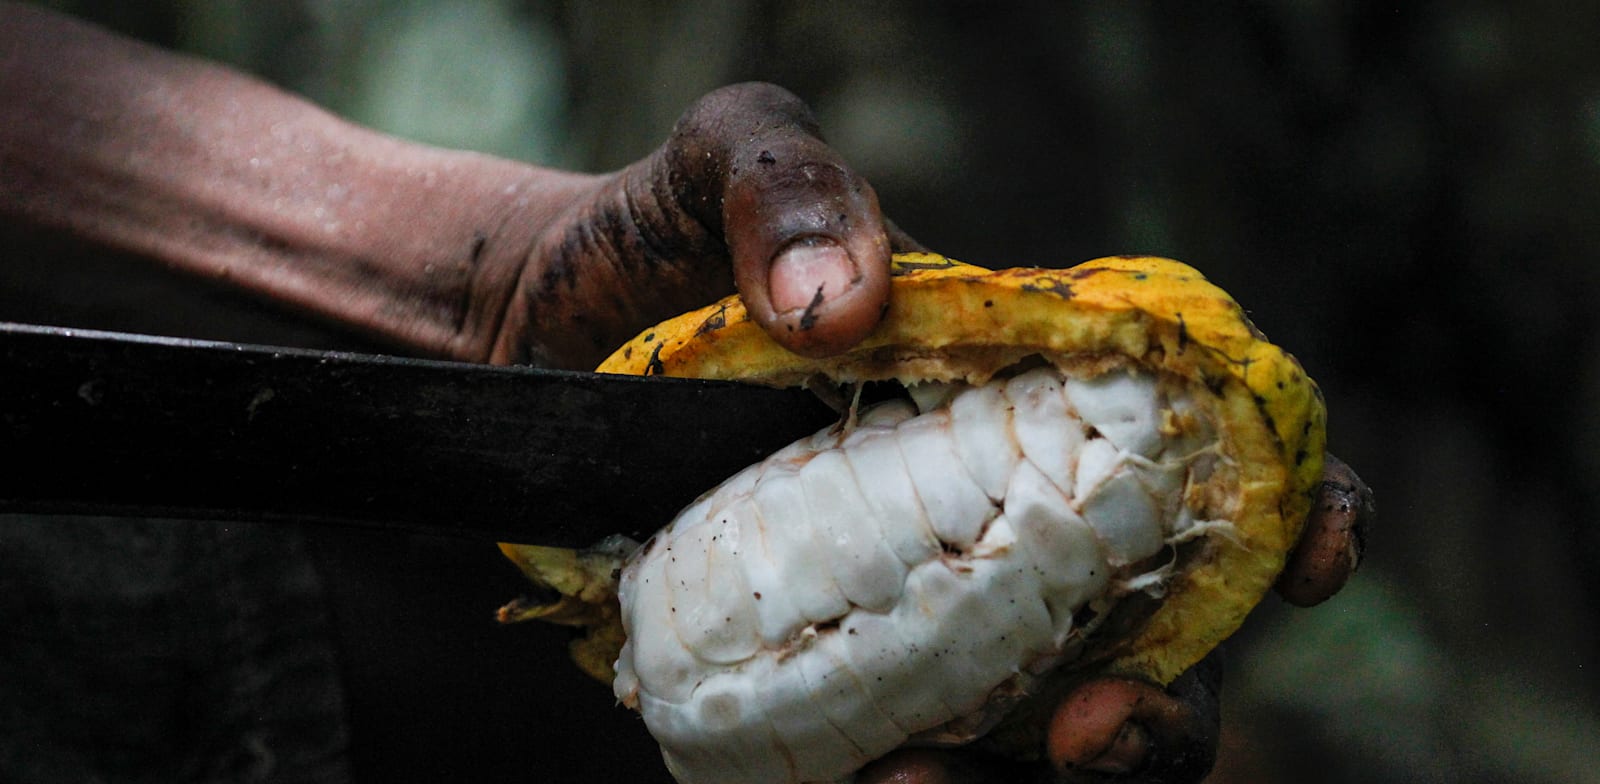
(806, 237)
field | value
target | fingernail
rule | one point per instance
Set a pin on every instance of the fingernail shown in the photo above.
(809, 272)
(1125, 754)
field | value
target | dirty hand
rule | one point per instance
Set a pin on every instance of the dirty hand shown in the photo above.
(215, 174)
(1115, 729)
(744, 185)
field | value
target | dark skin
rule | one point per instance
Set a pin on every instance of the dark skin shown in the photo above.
(230, 181)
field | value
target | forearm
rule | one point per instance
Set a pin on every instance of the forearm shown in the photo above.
(216, 174)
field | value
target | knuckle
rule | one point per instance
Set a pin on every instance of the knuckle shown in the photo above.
(737, 110)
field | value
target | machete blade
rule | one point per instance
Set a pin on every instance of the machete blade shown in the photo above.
(114, 424)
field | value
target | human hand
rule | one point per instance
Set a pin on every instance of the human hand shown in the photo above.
(744, 192)
(1118, 729)
(443, 252)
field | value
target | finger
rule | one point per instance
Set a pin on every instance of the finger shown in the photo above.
(1333, 540)
(924, 767)
(940, 766)
(807, 240)
(1129, 730)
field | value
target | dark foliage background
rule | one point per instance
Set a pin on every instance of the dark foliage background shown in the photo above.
(1405, 195)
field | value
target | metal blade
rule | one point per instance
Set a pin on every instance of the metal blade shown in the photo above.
(114, 424)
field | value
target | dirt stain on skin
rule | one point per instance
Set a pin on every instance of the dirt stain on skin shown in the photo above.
(808, 319)
(561, 273)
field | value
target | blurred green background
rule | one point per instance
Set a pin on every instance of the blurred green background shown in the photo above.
(1404, 195)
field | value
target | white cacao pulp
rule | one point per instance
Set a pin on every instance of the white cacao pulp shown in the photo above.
(887, 581)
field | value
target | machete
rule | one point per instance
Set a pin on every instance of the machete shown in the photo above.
(104, 423)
